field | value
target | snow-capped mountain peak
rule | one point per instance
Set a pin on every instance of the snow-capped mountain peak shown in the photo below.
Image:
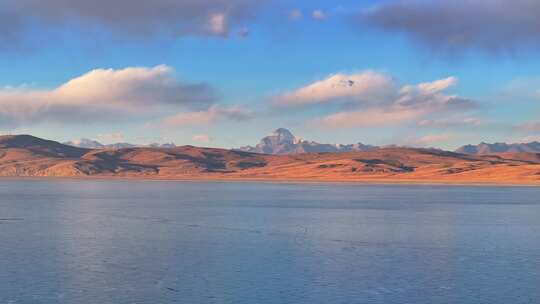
(282, 141)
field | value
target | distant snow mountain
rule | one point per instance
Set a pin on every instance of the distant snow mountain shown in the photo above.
(282, 141)
(93, 144)
(121, 146)
(485, 148)
(166, 145)
(85, 143)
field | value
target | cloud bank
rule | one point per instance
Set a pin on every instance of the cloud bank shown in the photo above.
(368, 86)
(452, 122)
(496, 26)
(131, 17)
(203, 138)
(532, 127)
(370, 118)
(102, 95)
(209, 116)
(375, 99)
(433, 139)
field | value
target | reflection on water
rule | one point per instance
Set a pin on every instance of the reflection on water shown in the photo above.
(168, 242)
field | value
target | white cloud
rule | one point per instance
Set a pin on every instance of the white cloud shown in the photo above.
(204, 138)
(368, 86)
(437, 85)
(530, 138)
(370, 117)
(373, 98)
(530, 127)
(209, 116)
(431, 96)
(296, 14)
(101, 94)
(452, 122)
(433, 139)
(318, 15)
(218, 24)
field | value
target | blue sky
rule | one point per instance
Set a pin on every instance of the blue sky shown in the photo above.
(225, 74)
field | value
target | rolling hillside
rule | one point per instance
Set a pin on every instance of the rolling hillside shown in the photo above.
(28, 156)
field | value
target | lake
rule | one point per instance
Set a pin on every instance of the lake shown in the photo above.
(188, 242)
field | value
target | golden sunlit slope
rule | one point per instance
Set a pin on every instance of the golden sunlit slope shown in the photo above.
(403, 165)
(30, 156)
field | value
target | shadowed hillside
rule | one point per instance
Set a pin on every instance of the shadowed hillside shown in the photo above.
(484, 148)
(30, 156)
(39, 146)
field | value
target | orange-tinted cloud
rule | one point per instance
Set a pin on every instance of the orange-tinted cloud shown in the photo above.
(102, 94)
(208, 116)
(374, 99)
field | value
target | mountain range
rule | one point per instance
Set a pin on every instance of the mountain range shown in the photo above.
(94, 144)
(29, 156)
(282, 141)
(485, 148)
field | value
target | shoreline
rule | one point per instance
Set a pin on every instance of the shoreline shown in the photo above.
(382, 182)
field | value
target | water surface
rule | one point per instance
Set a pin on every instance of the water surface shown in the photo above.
(171, 242)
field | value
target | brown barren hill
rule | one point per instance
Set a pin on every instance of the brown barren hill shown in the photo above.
(25, 155)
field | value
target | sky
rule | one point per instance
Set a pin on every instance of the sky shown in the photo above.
(224, 73)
